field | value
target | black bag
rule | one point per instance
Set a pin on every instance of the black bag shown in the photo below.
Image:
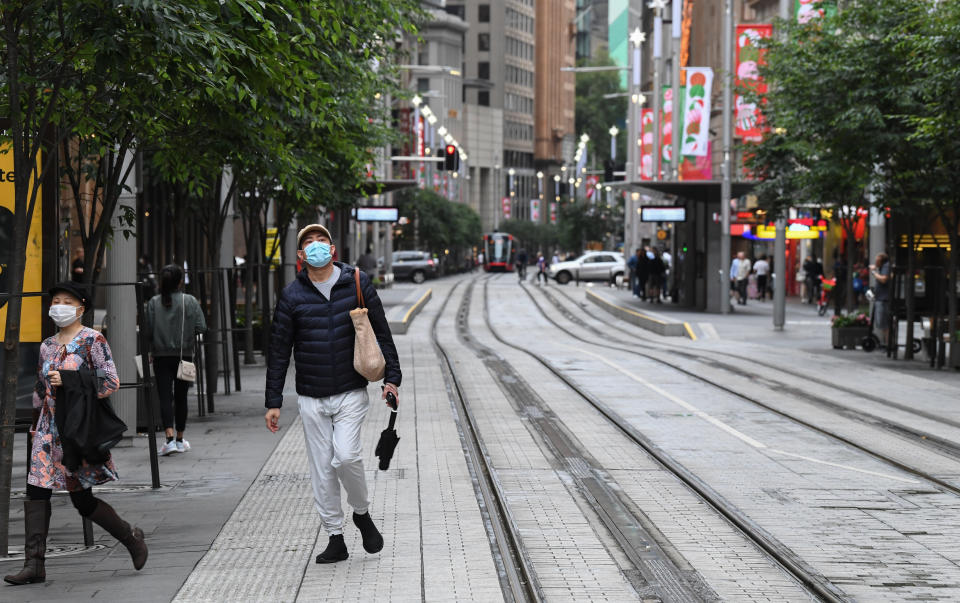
(88, 426)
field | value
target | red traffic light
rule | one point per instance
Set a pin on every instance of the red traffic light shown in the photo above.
(451, 149)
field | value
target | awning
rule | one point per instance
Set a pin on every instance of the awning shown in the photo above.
(378, 187)
(696, 190)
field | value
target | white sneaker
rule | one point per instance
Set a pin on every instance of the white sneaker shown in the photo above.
(169, 448)
(183, 446)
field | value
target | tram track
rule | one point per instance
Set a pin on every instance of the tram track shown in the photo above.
(911, 434)
(928, 441)
(518, 580)
(818, 585)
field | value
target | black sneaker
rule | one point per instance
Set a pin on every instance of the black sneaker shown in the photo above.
(372, 540)
(336, 550)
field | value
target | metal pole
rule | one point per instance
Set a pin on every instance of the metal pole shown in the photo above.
(726, 184)
(149, 391)
(657, 92)
(676, 126)
(780, 244)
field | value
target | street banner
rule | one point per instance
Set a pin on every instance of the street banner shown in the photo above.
(32, 308)
(808, 10)
(666, 123)
(698, 167)
(696, 117)
(505, 203)
(534, 210)
(553, 213)
(271, 248)
(646, 149)
(749, 120)
(591, 182)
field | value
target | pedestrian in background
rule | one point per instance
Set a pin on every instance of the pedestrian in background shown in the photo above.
(312, 318)
(368, 263)
(174, 319)
(743, 276)
(541, 268)
(762, 270)
(522, 264)
(643, 271)
(633, 265)
(657, 272)
(80, 349)
(813, 271)
(880, 271)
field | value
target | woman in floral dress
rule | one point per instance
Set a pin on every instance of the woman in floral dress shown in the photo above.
(73, 347)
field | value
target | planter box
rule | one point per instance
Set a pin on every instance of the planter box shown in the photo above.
(848, 337)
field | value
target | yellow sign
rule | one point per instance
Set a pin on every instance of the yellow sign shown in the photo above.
(271, 249)
(32, 311)
(793, 232)
(661, 234)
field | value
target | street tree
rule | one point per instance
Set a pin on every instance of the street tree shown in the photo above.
(596, 114)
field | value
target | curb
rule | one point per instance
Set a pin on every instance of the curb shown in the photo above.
(399, 327)
(669, 329)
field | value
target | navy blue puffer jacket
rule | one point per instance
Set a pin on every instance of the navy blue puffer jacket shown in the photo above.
(321, 334)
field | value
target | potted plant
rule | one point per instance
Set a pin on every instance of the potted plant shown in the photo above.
(848, 329)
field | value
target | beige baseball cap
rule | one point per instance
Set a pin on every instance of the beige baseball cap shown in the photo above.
(313, 228)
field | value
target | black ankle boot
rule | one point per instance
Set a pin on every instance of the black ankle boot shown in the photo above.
(336, 550)
(372, 540)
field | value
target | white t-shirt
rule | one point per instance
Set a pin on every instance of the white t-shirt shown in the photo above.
(762, 267)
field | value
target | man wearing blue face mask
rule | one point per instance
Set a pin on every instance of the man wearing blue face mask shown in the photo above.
(313, 319)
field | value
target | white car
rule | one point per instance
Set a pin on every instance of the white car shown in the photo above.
(591, 266)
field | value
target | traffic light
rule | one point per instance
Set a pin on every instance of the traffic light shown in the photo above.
(442, 153)
(608, 170)
(451, 159)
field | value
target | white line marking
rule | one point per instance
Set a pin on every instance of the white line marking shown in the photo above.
(720, 424)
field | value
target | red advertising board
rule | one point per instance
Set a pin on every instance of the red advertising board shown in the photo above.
(750, 57)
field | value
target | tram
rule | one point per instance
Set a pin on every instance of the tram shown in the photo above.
(499, 252)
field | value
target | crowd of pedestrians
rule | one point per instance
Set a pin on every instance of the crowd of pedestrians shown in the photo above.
(649, 269)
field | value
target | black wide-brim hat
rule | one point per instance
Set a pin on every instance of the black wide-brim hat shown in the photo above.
(77, 290)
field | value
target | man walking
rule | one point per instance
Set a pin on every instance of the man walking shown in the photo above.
(313, 318)
(743, 276)
(762, 268)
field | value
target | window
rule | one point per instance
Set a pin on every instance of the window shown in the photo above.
(483, 13)
(455, 10)
(483, 98)
(483, 42)
(423, 84)
(483, 70)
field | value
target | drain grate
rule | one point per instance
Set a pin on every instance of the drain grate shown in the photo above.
(64, 550)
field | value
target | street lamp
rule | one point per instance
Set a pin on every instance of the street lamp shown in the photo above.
(613, 141)
(540, 185)
(511, 172)
(556, 187)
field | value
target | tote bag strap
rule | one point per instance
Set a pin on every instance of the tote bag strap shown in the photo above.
(356, 279)
(183, 320)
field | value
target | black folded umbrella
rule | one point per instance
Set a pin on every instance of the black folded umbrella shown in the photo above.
(388, 437)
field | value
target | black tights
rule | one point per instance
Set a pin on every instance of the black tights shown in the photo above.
(83, 500)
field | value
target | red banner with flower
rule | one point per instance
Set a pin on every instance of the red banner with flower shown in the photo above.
(646, 149)
(750, 57)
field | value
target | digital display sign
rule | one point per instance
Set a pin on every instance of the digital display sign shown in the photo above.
(663, 214)
(377, 214)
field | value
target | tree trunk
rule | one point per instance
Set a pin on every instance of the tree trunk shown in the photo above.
(953, 227)
(248, 268)
(909, 290)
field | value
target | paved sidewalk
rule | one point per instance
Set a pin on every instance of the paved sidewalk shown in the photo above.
(180, 520)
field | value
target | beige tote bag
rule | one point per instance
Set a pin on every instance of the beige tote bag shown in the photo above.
(367, 357)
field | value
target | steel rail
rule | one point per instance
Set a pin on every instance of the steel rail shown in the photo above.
(518, 579)
(780, 553)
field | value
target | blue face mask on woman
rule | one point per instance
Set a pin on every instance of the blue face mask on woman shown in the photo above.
(318, 254)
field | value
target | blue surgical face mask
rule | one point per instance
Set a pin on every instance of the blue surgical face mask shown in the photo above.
(318, 254)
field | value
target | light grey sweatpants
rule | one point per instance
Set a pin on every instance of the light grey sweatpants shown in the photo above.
(331, 428)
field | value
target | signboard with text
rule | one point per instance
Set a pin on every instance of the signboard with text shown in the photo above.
(377, 214)
(663, 214)
(32, 311)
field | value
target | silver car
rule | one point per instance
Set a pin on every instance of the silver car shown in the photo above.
(592, 266)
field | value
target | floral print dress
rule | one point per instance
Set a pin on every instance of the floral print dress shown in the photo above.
(89, 349)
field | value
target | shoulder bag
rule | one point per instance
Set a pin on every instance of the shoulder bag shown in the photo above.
(368, 359)
(186, 370)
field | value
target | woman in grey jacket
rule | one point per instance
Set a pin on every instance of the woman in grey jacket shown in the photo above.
(173, 320)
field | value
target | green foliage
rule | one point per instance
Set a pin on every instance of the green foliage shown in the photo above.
(578, 225)
(595, 114)
(436, 224)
